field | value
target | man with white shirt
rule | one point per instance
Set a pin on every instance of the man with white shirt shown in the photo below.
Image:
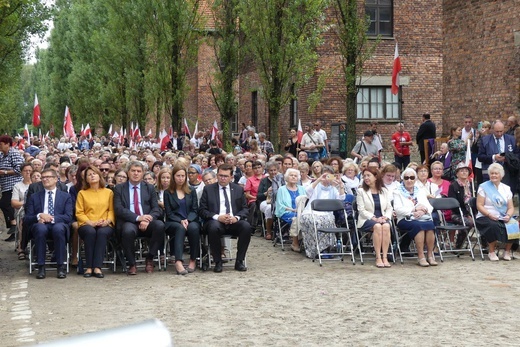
(323, 134)
(223, 208)
(49, 212)
(468, 130)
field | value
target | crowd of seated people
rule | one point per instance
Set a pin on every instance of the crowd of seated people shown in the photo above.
(149, 193)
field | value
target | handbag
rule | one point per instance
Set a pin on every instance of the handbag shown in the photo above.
(513, 229)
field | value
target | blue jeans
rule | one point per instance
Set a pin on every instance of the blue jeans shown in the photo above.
(313, 155)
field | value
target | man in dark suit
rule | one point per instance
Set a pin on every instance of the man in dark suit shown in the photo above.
(137, 214)
(493, 149)
(49, 211)
(224, 209)
(427, 130)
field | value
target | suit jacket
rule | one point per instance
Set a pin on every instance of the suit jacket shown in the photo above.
(427, 130)
(149, 203)
(488, 148)
(172, 204)
(366, 207)
(38, 187)
(62, 207)
(210, 201)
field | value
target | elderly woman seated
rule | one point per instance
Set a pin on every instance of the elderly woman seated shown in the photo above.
(326, 186)
(495, 208)
(286, 204)
(413, 213)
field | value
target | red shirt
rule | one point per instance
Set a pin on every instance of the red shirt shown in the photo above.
(251, 187)
(397, 138)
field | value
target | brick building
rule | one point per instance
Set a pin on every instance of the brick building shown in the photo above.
(458, 58)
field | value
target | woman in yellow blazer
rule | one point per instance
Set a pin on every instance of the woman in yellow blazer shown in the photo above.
(374, 213)
(96, 220)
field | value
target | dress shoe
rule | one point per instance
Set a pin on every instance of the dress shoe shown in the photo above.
(11, 230)
(132, 270)
(149, 266)
(218, 267)
(61, 272)
(190, 269)
(183, 272)
(10, 238)
(240, 266)
(99, 275)
(87, 274)
(423, 263)
(41, 273)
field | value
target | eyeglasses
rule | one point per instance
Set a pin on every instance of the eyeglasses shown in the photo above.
(104, 170)
(406, 178)
(121, 176)
(47, 177)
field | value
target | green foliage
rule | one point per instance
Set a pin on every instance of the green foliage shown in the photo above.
(19, 20)
(226, 45)
(355, 50)
(281, 37)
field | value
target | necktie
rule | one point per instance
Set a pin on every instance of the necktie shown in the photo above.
(498, 145)
(226, 201)
(136, 201)
(51, 204)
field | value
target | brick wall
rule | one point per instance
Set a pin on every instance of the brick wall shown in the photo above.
(482, 62)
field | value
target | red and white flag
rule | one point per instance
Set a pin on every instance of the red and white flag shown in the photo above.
(149, 133)
(26, 134)
(196, 128)
(469, 163)
(68, 127)
(165, 138)
(36, 112)
(137, 133)
(82, 131)
(21, 142)
(122, 136)
(214, 130)
(395, 71)
(110, 130)
(88, 132)
(186, 129)
(300, 131)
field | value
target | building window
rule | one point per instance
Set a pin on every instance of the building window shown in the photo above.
(293, 108)
(254, 108)
(381, 16)
(377, 103)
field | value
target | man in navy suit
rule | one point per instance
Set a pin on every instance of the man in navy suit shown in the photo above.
(224, 209)
(49, 212)
(494, 148)
(137, 214)
(427, 130)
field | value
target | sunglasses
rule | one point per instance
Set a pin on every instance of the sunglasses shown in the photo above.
(406, 178)
(104, 170)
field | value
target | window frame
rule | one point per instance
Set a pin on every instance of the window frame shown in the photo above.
(383, 104)
(378, 7)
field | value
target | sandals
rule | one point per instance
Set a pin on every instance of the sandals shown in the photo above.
(21, 256)
(379, 263)
(269, 236)
(423, 263)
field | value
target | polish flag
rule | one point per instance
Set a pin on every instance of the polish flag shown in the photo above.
(122, 136)
(36, 112)
(186, 129)
(26, 134)
(21, 142)
(165, 138)
(82, 132)
(137, 133)
(149, 133)
(395, 71)
(196, 128)
(300, 131)
(68, 127)
(214, 130)
(469, 164)
(88, 132)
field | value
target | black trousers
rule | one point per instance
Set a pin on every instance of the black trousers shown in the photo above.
(215, 230)
(95, 240)
(5, 206)
(130, 231)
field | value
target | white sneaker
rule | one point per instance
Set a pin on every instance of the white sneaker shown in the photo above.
(492, 256)
(507, 256)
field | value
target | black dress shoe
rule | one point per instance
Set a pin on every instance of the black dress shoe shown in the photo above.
(87, 274)
(99, 275)
(10, 238)
(41, 273)
(61, 273)
(218, 267)
(240, 266)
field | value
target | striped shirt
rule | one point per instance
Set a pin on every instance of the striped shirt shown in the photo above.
(10, 161)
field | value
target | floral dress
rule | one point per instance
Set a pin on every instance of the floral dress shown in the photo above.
(457, 148)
